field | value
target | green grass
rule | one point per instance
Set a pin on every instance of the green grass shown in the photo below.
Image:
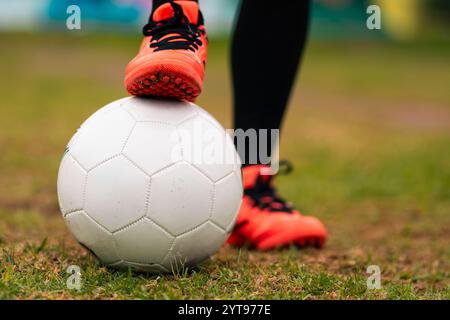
(368, 131)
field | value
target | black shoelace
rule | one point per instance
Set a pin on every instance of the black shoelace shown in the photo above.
(185, 35)
(265, 196)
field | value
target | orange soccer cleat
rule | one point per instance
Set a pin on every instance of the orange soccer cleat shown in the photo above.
(265, 221)
(172, 56)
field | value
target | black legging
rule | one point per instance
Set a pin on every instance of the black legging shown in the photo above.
(268, 43)
(267, 46)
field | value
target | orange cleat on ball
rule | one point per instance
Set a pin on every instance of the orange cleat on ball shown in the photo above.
(172, 56)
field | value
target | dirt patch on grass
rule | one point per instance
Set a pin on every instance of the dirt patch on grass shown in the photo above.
(418, 117)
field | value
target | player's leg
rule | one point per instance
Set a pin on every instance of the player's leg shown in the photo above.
(267, 46)
(172, 56)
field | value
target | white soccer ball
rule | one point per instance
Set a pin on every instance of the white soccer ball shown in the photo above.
(150, 184)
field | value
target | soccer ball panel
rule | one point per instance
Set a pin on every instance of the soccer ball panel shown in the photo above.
(228, 196)
(206, 147)
(116, 193)
(153, 146)
(180, 198)
(166, 111)
(103, 138)
(71, 183)
(103, 111)
(195, 246)
(208, 117)
(92, 236)
(143, 242)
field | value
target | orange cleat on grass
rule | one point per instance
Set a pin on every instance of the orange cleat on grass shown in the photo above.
(172, 56)
(266, 221)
